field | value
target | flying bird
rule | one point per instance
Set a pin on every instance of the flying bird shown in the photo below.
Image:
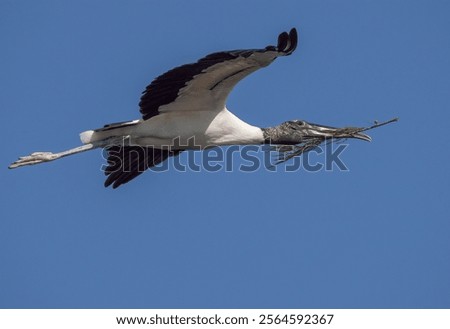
(185, 108)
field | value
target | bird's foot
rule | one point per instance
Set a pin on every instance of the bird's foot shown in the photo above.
(33, 158)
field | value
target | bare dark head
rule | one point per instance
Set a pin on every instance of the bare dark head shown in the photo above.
(299, 131)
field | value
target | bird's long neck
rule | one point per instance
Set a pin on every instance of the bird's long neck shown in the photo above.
(279, 135)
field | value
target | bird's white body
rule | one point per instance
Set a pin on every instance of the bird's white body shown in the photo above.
(194, 130)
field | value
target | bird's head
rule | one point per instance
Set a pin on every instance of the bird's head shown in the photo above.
(300, 131)
(295, 137)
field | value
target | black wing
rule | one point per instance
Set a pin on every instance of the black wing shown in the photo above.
(211, 78)
(128, 162)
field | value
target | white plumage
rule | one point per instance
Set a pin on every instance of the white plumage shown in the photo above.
(205, 128)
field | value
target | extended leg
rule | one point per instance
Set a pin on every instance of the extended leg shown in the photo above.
(40, 157)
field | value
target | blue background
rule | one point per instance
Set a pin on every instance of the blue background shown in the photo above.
(376, 236)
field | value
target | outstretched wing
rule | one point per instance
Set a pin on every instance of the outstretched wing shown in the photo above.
(206, 84)
(127, 162)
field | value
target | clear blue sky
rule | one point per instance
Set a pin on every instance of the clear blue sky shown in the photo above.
(376, 236)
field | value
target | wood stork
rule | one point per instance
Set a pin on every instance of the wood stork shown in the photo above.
(185, 108)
